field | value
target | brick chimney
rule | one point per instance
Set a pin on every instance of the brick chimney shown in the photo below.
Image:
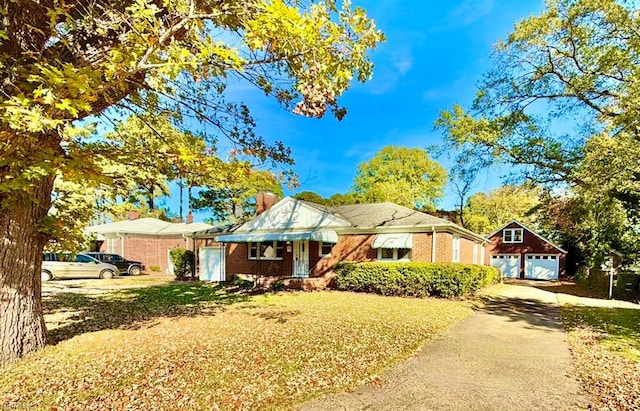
(133, 215)
(264, 201)
(188, 218)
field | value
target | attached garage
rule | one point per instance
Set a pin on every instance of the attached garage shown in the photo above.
(507, 264)
(541, 266)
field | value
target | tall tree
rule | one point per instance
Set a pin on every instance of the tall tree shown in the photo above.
(579, 59)
(234, 201)
(65, 61)
(406, 176)
(562, 83)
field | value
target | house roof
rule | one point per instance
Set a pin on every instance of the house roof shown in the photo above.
(300, 215)
(529, 230)
(386, 215)
(147, 226)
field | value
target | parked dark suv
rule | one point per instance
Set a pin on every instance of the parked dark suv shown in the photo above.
(125, 266)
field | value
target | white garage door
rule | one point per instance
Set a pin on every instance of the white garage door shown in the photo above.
(508, 264)
(541, 267)
(212, 266)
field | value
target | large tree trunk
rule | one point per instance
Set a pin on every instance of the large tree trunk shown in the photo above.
(22, 328)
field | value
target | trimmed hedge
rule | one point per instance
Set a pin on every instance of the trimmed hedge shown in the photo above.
(184, 263)
(415, 279)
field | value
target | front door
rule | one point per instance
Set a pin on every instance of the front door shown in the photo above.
(301, 258)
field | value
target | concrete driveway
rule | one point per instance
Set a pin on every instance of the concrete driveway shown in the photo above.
(511, 354)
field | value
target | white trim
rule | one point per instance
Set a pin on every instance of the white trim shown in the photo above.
(395, 255)
(257, 257)
(512, 232)
(434, 234)
(476, 252)
(320, 244)
(529, 230)
(455, 258)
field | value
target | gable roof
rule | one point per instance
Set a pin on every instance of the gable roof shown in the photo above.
(292, 214)
(367, 217)
(147, 226)
(529, 230)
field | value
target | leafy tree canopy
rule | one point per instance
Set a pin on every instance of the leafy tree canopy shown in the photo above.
(485, 213)
(406, 176)
(61, 62)
(235, 201)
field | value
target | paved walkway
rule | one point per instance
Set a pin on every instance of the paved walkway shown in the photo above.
(511, 354)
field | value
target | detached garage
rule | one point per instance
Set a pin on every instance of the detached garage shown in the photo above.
(507, 264)
(519, 252)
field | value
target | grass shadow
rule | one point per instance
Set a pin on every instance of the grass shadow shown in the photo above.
(72, 314)
(620, 326)
(567, 287)
(536, 313)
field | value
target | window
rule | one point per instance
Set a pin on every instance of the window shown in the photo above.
(112, 244)
(81, 258)
(324, 248)
(512, 235)
(271, 250)
(475, 252)
(456, 249)
(394, 254)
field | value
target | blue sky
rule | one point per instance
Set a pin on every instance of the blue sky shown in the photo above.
(435, 54)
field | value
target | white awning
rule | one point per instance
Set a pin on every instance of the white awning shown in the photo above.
(403, 240)
(326, 236)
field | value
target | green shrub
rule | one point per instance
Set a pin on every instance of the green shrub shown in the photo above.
(155, 268)
(278, 285)
(240, 282)
(415, 279)
(184, 263)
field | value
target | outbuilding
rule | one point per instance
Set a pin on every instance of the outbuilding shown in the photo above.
(520, 252)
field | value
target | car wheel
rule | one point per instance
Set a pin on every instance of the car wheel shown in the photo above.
(106, 274)
(135, 270)
(45, 276)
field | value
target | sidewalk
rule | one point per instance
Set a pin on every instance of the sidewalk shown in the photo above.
(511, 354)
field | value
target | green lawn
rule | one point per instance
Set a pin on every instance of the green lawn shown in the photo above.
(619, 327)
(605, 345)
(199, 347)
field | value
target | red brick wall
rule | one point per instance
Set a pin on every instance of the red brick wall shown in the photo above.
(531, 244)
(444, 247)
(148, 250)
(352, 247)
(466, 250)
(421, 251)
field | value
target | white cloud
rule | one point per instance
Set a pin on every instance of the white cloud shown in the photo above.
(402, 61)
(471, 10)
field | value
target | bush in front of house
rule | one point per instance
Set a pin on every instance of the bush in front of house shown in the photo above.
(445, 280)
(184, 263)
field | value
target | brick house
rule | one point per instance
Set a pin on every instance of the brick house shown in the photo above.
(519, 252)
(300, 239)
(147, 240)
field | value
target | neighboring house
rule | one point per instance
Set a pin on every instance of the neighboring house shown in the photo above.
(147, 240)
(299, 239)
(519, 252)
